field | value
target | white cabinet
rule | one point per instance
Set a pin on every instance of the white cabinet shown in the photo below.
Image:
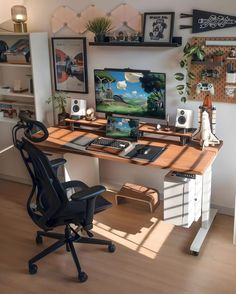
(182, 198)
(33, 98)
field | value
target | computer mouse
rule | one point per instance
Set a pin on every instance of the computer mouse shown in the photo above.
(144, 150)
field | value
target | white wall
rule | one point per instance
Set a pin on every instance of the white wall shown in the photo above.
(156, 59)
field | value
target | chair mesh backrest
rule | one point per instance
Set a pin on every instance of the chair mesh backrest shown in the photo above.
(50, 193)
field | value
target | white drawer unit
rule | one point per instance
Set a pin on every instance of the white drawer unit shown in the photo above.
(182, 198)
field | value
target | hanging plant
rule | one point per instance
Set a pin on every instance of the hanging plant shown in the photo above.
(192, 52)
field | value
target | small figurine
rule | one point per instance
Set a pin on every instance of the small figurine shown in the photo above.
(232, 53)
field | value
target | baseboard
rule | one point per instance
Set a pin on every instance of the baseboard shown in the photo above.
(223, 210)
(15, 179)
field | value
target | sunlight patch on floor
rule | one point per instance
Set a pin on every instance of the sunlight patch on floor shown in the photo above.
(148, 241)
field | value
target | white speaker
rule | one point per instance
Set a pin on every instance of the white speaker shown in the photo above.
(184, 118)
(78, 108)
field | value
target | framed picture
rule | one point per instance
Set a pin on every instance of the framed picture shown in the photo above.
(70, 64)
(158, 27)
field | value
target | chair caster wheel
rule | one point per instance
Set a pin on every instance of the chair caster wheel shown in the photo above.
(194, 253)
(112, 248)
(82, 277)
(33, 269)
(39, 239)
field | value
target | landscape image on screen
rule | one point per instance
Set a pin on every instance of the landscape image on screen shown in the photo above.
(120, 127)
(140, 93)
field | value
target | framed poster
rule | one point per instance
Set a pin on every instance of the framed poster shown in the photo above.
(158, 27)
(70, 64)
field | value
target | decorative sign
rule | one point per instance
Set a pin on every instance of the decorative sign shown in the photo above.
(204, 21)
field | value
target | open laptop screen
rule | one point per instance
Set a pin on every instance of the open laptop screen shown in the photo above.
(122, 128)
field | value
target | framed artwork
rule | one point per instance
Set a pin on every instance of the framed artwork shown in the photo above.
(70, 64)
(158, 27)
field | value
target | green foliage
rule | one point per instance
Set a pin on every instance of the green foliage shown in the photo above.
(104, 77)
(99, 25)
(218, 53)
(59, 100)
(190, 52)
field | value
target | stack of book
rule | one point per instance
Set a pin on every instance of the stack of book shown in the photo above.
(19, 52)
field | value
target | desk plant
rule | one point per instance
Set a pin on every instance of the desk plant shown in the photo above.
(100, 26)
(191, 52)
(218, 55)
(59, 101)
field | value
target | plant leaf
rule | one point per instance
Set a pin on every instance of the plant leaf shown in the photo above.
(191, 76)
(180, 87)
(179, 76)
(183, 99)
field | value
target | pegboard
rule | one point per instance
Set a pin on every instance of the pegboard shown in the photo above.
(219, 83)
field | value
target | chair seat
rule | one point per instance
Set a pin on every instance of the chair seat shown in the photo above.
(74, 211)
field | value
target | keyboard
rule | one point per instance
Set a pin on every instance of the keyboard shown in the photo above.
(109, 142)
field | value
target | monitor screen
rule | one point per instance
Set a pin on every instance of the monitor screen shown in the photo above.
(121, 127)
(127, 92)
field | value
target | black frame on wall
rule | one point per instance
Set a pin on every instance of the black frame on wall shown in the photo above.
(70, 64)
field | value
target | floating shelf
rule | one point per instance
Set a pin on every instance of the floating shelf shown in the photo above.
(134, 44)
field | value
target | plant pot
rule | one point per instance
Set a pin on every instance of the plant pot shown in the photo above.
(218, 58)
(100, 38)
(61, 118)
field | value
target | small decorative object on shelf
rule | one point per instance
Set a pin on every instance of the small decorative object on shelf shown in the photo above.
(90, 114)
(232, 53)
(100, 26)
(158, 26)
(59, 101)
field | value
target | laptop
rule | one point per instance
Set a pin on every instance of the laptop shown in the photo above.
(122, 128)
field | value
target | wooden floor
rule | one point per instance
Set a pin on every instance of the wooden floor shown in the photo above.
(151, 256)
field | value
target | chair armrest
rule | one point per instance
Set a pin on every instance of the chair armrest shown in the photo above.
(88, 193)
(55, 163)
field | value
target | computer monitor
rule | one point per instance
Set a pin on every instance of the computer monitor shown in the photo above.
(139, 93)
(122, 128)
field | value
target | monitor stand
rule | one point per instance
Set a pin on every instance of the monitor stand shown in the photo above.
(108, 114)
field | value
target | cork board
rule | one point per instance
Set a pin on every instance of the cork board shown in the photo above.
(220, 84)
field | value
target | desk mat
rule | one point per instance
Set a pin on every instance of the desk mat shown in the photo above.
(145, 152)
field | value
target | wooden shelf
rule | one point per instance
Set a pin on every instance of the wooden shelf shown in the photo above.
(16, 103)
(208, 63)
(134, 44)
(23, 94)
(6, 64)
(14, 34)
(150, 128)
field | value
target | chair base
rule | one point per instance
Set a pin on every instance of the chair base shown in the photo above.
(68, 238)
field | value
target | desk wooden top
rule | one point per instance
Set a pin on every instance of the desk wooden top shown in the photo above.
(176, 157)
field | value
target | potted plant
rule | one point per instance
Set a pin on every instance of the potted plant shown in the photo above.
(59, 101)
(218, 56)
(191, 52)
(100, 26)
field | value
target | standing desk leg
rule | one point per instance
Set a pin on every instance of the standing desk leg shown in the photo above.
(208, 213)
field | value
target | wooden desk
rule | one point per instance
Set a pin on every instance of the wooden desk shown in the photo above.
(188, 158)
(179, 158)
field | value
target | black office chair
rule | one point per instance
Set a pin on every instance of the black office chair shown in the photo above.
(51, 203)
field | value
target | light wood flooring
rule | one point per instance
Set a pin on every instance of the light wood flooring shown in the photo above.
(151, 256)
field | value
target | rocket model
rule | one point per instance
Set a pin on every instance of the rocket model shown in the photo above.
(206, 130)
